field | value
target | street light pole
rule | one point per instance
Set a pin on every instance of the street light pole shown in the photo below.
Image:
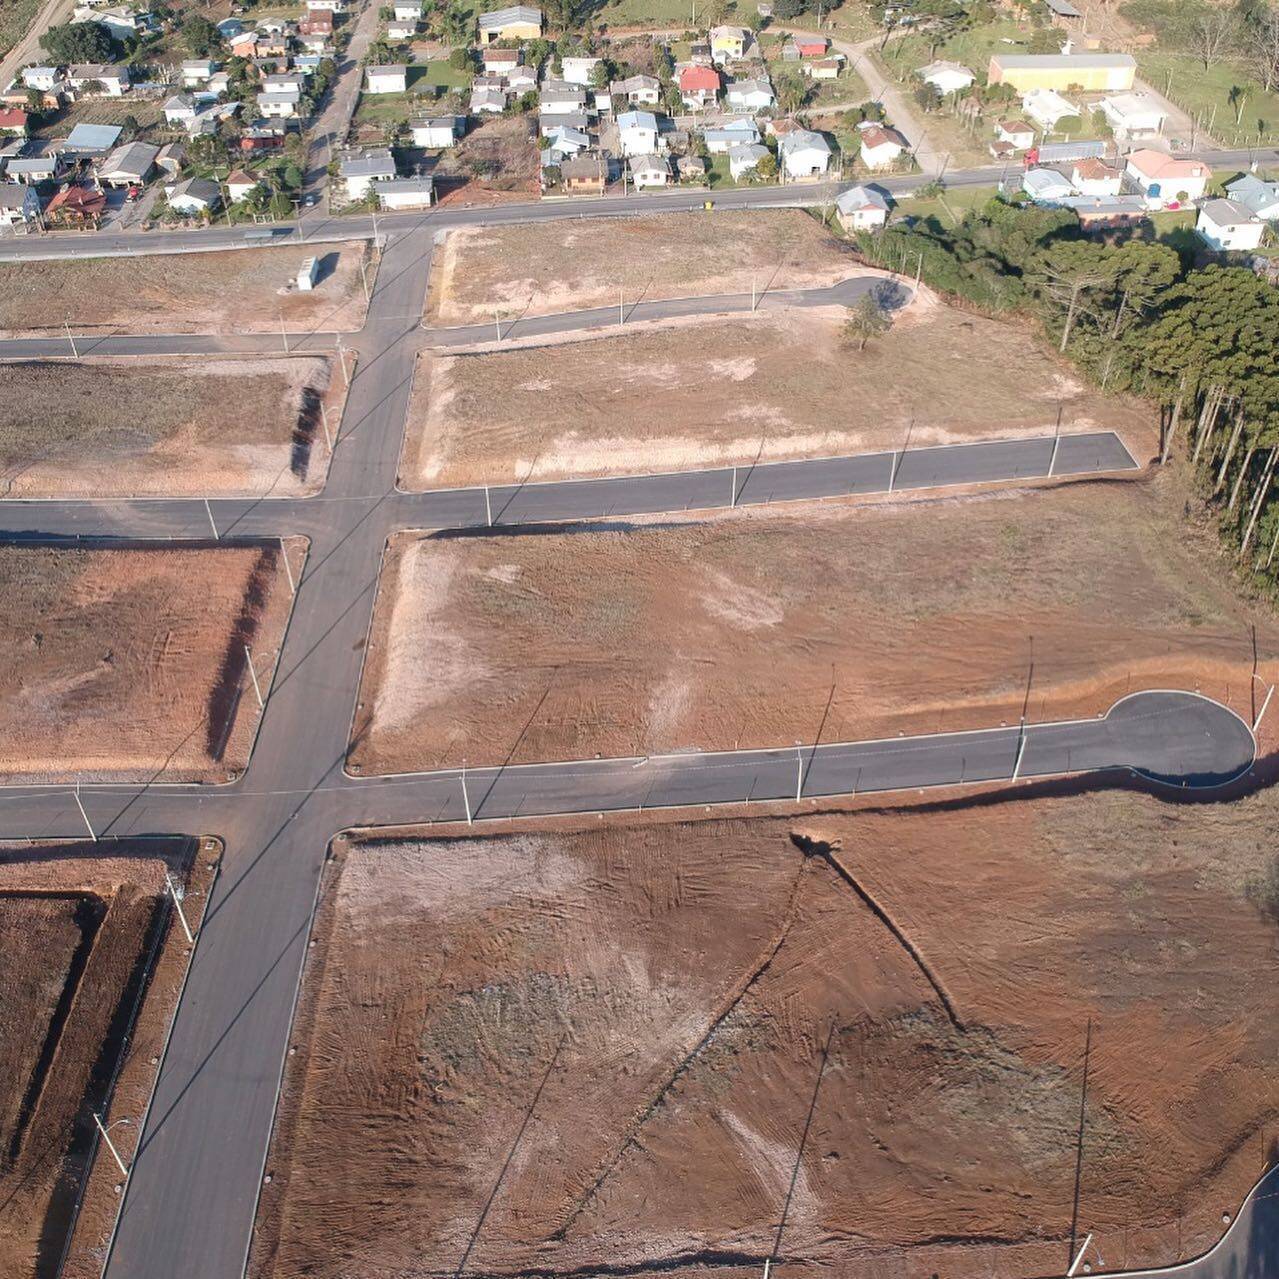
(253, 675)
(66, 324)
(176, 893)
(104, 1132)
(466, 799)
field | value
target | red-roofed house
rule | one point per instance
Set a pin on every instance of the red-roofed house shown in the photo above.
(1167, 181)
(699, 86)
(13, 120)
(76, 206)
(812, 46)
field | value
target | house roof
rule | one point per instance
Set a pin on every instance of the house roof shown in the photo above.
(562, 135)
(93, 137)
(1063, 8)
(877, 136)
(241, 179)
(78, 199)
(803, 140)
(1092, 169)
(861, 198)
(1045, 182)
(408, 186)
(747, 151)
(491, 54)
(637, 120)
(1124, 105)
(1251, 191)
(1062, 61)
(1155, 164)
(1016, 126)
(649, 164)
(201, 189)
(97, 71)
(513, 14)
(180, 102)
(31, 165)
(582, 166)
(1227, 213)
(933, 68)
(391, 68)
(13, 196)
(372, 164)
(454, 122)
(754, 84)
(134, 159)
(699, 79)
(12, 118)
(738, 128)
(486, 96)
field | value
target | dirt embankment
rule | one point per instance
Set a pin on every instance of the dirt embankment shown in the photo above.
(166, 427)
(128, 664)
(731, 392)
(643, 1047)
(767, 627)
(540, 268)
(233, 291)
(92, 964)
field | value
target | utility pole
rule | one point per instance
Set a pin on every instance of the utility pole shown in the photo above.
(324, 422)
(621, 311)
(1052, 461)
(208, 510)
(92, 835)
(733, 491)
(288, 568)
(1079, 1256)
(752, 294)
(104, 1132)
(466, 799)
(66, 324)
(176, 893)
(1021, 748)
(364, 276)
(253, 675)
(488, 507)
(346, 377)
(284, 336)
(799, 777)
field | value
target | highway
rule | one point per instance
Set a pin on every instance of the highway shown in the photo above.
(190, 1200)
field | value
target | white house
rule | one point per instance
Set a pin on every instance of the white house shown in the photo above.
(46, 79)
(1228, 226)
(578, 68)
(734, 133)
(1045, 186)
(407, 10)
(1017, 133)
(1260, 198)
(487, 102)
(881, 148)
(179, 109)
(1166, 181)
(649, 171)
(361, 171)
(279, 104)
(392, 79)
(406, 193)
(1133, 116)
(129, 165)
(437, 131)
(861, 209)
(754, 94)
(946, 77)
(638, 90)
(18, 204)
(115, 80)
(561, 101)
(1046, 107)
(567, 141)
(1092, 176)
(744, 158)
(194, 196)
(637, 133)
(803, 153)
(520, 80)
(197, 72)
(397, 30)
(240, 185)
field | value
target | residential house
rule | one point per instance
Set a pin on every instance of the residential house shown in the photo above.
(407, 11)
(391, 79)
(578, 68)
(316, 22)
(1229, 227)
(76, 206)
(437, 131)
(561, 101)
(240, 185)
(1089, 72)
(729, 43)
(406, 193)
(280, 104)
(649, 171)
(689, 167)
(19, 205)
(129, 165)
(547, 124)
(179, 109)
(173, 155)
(824, 68)
(1261, 198)
(245, 45)
(947, 77)
(219, 84)
(1046, 107)
(197, 72)
(803, 154)
(333, 6)
(744, 158)
(360, 171)
(753, 94)
(1092, 176)
(487, 102)
(45, 79)
(283, 81)
(1133, 116)
(397, 30)
(1061, 13)
(13, 122)
(881, 147)
(114, 79)
(521, 80)
(1018, 134)
(195, 196)
(699, 87)
(809, 46)
(584, 174)
(121, 23)
(638, 90)
(499, 61)
(1105, 213)
(637, 133)
(516, 22)
(602, 99)
(861, 209)
(33, 169)
(564, 141)
(90, 139)
(1046, 186)
(1166, 181)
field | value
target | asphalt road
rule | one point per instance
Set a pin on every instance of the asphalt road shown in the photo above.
(189, 1205)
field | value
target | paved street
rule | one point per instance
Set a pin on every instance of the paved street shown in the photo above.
(190, 1202)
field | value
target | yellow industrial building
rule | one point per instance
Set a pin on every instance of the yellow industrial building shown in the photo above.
(1091, 72)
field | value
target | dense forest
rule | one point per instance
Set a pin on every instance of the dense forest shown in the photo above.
(1135, 315)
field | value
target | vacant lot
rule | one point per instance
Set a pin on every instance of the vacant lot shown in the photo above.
(760, 628)
(563, 266)
(85, 933)
(238, 291)
(771, 386)
(550, 1050)
(130, 663)
(175, 426)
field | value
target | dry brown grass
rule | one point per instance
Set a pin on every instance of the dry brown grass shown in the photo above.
(540, 268)
(730, 631)
(770, 386)
(129, 427)
(235, 291)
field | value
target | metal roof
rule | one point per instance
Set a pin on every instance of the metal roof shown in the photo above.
(93, 137)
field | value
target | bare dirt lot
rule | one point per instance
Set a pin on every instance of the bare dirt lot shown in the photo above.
(129, 663)
(545, 267)
(225, 427)
(557, 643)
(551, 1051)
(237, 291)
(92, 966)
(770, 386)
(497, 160)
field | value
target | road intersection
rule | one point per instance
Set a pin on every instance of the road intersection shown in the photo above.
(191, 1198)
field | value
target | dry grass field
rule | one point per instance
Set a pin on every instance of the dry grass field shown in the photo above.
(728, 392)
(166, 426)
(237, 291)
(539, 268)
(128, 663)
(640, 1048)
(763, 627)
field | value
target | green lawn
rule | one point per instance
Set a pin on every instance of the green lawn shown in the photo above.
(387, 108)
(678, 14)
(971, 48)
(949, 208)
(1207, 95)
(439, 74)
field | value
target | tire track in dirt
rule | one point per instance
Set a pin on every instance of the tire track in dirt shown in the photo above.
(735, 996)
